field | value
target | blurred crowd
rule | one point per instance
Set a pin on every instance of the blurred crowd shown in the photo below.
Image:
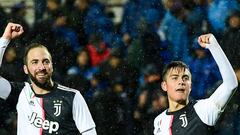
(117, 67)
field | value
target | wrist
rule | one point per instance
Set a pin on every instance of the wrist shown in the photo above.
(4, 41)
(6, 37)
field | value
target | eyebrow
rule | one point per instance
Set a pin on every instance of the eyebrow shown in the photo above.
(174, 75)
(39, 60)
(186, 75)
(34, 60)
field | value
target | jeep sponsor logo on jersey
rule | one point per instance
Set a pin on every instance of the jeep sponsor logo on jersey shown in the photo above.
(38, 122)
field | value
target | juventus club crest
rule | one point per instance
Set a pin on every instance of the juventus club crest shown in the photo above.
(57, 107)
(183, 117)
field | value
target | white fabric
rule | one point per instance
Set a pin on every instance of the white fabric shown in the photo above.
(5, 87)
(81, 115)
(163, 124)
(210, 109)
(90, 132)
(3, 45)
(29, 109)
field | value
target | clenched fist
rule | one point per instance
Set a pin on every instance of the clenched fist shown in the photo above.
(204, 39)
(12, 31)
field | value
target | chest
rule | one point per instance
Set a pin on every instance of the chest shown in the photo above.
(53, 108)
(184, 123)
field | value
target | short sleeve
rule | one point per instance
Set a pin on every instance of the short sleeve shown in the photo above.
(81, 114)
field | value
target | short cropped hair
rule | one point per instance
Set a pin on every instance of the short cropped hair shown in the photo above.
(30, 47)
(173, 65)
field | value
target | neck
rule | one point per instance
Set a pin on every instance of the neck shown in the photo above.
(175, 106)
(39, 90)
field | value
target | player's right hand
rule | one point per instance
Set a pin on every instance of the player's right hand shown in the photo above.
(204, 39)
(12, 31)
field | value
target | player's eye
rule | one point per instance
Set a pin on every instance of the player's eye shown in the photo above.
(46, 62)
(34, 62)
(185, 78)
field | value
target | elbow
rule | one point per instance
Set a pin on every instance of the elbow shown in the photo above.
(235, 86)
(231, 83)
(235, 83)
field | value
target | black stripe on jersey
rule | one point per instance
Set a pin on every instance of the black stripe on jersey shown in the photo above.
(58, 106)
(87, 130)
(16, 89)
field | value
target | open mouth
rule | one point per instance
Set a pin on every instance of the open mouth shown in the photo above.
(42, 75)
(180, 90)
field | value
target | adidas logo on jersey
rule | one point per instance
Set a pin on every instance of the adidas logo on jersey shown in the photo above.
(38, 122)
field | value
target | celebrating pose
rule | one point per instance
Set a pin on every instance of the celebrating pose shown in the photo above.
(44, 106)
(186, 117)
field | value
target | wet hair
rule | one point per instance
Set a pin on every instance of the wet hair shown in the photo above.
(30, 47)
(173, 65)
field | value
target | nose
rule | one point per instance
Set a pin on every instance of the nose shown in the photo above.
(181, 81)
(41, 66)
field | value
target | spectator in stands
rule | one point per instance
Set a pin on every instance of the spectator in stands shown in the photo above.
(230, 122)
(218, 12)
(110, 111)
(97, 49)
(231, 40)
(175, 29)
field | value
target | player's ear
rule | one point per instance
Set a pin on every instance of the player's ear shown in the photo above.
(25, 69)
(164, 85)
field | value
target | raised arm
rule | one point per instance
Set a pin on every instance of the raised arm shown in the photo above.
(12, 31)
(210, 109)
(226, 89)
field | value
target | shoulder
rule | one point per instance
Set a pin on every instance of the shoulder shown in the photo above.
(160, 116)
(16, 89)
(208, 111)
(66, 89)
(18, 85)
(162, 123)
(72, 95)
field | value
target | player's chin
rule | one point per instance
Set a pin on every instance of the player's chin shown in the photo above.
(181, 99)
(42, 80)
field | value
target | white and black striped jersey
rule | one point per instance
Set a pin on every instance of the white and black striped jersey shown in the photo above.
(63, 111)
(197, 118)
(185, 121)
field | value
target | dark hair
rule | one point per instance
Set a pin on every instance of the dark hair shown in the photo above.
(30, 47)
(84, 50)
(56, 1)
(172, 65)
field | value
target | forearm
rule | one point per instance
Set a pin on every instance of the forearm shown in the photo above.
(3, 46)
(223, 93)
(5, 87)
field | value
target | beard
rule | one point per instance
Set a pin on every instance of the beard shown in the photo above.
(47, 85)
